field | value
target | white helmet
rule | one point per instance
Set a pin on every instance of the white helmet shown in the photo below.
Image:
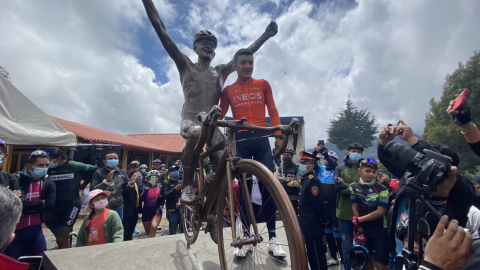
(333, 154)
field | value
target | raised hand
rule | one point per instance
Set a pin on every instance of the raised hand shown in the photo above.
(272, 29)
(386, 136)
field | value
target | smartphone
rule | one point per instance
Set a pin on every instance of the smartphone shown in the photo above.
(321, 142)
(34, 262)
(460, 100)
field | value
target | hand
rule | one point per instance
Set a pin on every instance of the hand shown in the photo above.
(43, 201)
(134, 177)
(449, 250)
(226, 212)
(321, 149)
(110, 176)
(386, 136)
(178, 187)
(195, 190)
(341, 180)
(405, 133)
(297, 183)
(291, 178)
(444, 188)
(356, 222)
(450, 106)
(272, 29)
(278, 143)
(278, 174)
(18, 193)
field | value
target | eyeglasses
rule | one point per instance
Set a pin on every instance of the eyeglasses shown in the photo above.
(36, 153)
(369, 160)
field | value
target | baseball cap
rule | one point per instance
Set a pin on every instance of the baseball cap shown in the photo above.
(95, 193)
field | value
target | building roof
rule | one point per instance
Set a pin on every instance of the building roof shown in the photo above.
(172, 142)
(102, 136)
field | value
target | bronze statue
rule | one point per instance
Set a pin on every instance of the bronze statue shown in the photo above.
(202, 86)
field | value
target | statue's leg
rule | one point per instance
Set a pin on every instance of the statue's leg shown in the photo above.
(190, 130)
(215, 157)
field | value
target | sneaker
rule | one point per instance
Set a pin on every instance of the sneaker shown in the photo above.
(331, 261)
(159, 228)
(136, 231)
(275, 248)
(242, 252)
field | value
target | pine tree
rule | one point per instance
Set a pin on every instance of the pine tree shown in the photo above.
(352, 125)
(439, 127)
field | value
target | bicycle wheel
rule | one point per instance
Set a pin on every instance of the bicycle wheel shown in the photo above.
(189, 215)
(287, 229)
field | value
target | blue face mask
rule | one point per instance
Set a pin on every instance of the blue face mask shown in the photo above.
(52, 165)
(302, 168)
(143, 170)
(175, 174)
(355, 156)
(38, 172)
(163, 168)
(1, 159)
(112, 163)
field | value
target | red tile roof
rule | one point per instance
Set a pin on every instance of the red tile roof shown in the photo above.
(172, 142)
(103, 136)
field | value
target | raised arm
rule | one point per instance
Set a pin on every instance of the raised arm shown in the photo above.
(159, 27)
(270, 31)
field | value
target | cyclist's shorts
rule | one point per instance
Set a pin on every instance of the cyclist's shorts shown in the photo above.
(63, 216)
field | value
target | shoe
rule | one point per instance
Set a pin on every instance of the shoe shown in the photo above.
(275, 248)
(331, 261)
(188, 195)
(242, 252)
(136, 231)
(159, 228)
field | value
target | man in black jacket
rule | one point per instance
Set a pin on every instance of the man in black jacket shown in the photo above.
(7, 180)
(171, 191)
(38, 197)
(312, 214)
(454, 196)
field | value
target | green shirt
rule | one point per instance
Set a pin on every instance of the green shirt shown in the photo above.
(350, 175)
(67, 179)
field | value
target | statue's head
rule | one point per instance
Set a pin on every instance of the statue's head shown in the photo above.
(204, 44)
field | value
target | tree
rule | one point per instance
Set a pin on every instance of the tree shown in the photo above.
(352, 125)
(5, 73)
(439, 127)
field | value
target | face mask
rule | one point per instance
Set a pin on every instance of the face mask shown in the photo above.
(38, 172)
(101, 204)
(143, 170)
(1, 159)
(163, 168)
(302, 168)
(52, 165)
(355, 156)
(112, 163)
(287, 161)
(153, 180)
(175, 174)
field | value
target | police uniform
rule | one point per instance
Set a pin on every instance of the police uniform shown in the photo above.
(312, 216)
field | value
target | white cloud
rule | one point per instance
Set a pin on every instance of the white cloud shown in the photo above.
(76, 59)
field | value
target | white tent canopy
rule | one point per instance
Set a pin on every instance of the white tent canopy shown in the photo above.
(23, 123)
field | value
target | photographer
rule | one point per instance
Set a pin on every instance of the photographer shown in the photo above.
(454, 196)
(468, 129)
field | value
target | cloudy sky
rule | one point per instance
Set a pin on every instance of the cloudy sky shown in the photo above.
(101, 64)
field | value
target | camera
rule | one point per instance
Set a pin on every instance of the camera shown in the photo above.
(426, 170)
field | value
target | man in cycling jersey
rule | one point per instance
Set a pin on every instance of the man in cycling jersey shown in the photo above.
(247, 97)
(67, 175)
(202, 86)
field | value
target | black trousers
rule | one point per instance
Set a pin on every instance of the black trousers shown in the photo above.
(316, 253)
(129, 223)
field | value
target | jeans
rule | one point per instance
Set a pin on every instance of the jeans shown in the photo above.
(173, 218)
(346, 229)
(119, 210)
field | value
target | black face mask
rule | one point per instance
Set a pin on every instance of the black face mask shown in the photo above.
(287, 161)
(385, 183)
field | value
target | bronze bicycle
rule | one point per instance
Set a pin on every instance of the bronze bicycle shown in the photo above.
(217, 210)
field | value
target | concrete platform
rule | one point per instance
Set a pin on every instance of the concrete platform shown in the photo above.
(166, 252)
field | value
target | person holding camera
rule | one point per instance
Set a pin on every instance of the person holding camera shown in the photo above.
(171, 191)
(345, 175)
(453, 196)
(286, 176)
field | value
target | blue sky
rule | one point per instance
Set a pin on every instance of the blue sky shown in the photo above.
(101, 64)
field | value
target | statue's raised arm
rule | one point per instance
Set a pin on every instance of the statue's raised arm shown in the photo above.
(270, 31)
(167, 42)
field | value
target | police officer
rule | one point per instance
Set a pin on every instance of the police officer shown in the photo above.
(312, 214)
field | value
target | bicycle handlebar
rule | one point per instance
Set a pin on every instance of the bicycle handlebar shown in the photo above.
(211, 121)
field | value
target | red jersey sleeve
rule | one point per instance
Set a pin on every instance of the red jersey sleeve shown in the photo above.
(270, 103)
(224, 102)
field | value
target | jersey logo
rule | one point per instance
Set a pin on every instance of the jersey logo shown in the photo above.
(61, 177)
(314, 190)
(310, 176)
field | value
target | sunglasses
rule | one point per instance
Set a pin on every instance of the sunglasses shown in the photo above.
(369, 160)
(36, 153)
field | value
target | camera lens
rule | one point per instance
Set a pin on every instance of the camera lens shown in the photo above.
(402, 157)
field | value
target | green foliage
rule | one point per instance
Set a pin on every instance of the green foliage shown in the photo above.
(352, 125)
(439, 127)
